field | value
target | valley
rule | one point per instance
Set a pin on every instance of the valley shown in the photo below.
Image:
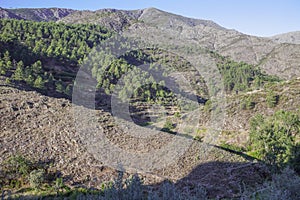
(145, 104)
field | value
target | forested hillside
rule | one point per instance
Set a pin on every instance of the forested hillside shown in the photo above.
(59, 49)
(46, 55)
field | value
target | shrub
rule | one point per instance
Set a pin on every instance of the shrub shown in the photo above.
(177, 115)
(208, 106)
(274, 138)
(282, 186)
(272, 99)
(19, 165)
(198, 138)
(36, 178)
(168, 126)
(59, 184)
(247, 104)
(232, 147)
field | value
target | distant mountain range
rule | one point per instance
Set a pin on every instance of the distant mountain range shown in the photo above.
(278, 55)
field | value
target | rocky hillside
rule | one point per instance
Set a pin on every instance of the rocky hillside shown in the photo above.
(8, 15)
(41, 128)
(263, 52)
(291, 37)
(36, 14)
(112, 19)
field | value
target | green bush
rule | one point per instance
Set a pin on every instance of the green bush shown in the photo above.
(208, 106)
(272, 99)
(274, 138)
(168, 126)
(247, 104)
(232, 147)
(36, 178)
(19, 165)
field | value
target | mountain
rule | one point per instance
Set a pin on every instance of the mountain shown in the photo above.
(36, 14)
(291, 37)
(274, 55)
(265, 53)
(8, 15)
(112, 19)
(155, 110)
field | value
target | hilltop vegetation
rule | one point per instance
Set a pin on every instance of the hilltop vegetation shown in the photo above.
(46, 53)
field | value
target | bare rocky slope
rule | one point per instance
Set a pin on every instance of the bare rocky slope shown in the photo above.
(267, 53)
(291, 37)
(41, 128)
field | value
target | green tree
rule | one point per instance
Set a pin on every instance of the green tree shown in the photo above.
(37, 67)
(39, 82)
(168, 126)
(2, 67)
(19, 72)
(247, 103)
(68, 90)
(273, 138)
(30, 80)
(7, 60)
(19, 165)
(59, 86)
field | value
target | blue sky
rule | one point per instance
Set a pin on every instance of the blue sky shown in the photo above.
(255, 17)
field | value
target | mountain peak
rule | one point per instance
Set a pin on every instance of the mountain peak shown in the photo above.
(157, 16)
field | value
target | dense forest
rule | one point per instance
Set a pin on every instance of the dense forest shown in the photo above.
(48, 54)
(31, 50)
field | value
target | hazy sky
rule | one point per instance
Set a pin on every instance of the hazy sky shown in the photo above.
(255, 17)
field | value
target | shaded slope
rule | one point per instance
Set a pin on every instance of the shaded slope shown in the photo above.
(42, 129)
(4, 13)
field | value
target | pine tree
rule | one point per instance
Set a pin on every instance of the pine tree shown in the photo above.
(19, 72)
(59, 86)
(68, 90)
(2, 67)
(7, 61)
(39, 83)
(37, 67)
(30, 80)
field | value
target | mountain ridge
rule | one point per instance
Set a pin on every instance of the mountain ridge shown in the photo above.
(36, 14)
(241, 47)
(289, 37)
(274, 55)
